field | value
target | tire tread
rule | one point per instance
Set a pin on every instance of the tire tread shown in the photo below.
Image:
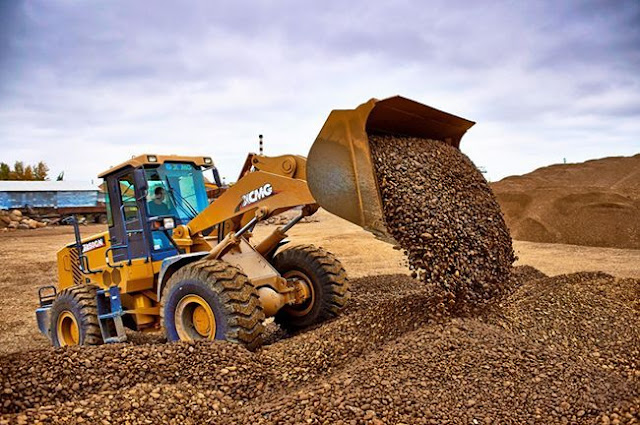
(237, 295)
(84, 296)
(330, 273)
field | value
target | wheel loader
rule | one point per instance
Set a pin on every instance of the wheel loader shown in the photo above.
(172, 259)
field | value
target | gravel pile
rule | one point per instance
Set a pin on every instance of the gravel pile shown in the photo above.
(60, 379)
(593, 315)
(526, 273)
(63, 375)
(441, 211)
(464, 372)
(390, 359)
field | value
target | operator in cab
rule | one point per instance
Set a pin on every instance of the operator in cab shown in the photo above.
(157, 207)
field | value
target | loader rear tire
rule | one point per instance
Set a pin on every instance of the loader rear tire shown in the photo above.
(74, 317)
(209, 300)
(327, 281)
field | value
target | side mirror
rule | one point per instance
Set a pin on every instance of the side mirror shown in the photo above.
(140, 181)
(216, 177)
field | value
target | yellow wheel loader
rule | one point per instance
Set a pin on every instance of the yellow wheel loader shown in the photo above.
(172, 259)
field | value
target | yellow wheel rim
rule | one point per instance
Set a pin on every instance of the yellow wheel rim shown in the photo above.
(300, 310)
(194, 319)
(201, 320)
(67, 329)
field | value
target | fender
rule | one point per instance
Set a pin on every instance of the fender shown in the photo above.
(171, 264)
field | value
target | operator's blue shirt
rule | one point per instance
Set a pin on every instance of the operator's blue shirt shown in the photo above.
(156, 209)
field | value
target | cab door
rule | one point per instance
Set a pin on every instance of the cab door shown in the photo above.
(127, 229)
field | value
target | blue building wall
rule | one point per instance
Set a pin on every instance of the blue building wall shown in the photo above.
(61, 199)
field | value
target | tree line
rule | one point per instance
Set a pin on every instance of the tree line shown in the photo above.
(19, 171)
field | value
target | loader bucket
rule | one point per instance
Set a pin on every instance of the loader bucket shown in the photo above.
(340, 170)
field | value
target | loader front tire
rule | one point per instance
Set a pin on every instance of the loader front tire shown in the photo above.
(209, 300)
(326, 279)
(74, 317)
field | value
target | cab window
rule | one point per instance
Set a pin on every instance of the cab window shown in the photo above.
(108, 205)
(128, 198)
(158, 200)
(176, 189)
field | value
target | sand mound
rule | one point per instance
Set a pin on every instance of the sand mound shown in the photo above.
(595, 203)
(388, 360)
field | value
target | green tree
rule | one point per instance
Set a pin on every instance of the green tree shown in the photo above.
(41, 171)
(18, 171)
(28, 173)
(5, 171)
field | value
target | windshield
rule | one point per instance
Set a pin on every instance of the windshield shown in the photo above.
(177, 190)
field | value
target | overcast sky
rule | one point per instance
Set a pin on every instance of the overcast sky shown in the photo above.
(85, 84)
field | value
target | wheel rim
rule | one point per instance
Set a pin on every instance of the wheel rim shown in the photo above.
(195, 319)
(67, 329)
(299, 310)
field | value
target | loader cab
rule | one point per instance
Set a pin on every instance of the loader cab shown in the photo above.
(147, 197)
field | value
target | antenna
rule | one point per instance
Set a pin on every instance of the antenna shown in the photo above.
(261, 144)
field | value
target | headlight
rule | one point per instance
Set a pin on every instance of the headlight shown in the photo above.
(168, 223)
(152, 158)
(208, 161)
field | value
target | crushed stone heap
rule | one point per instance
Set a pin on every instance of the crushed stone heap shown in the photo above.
(442, 212)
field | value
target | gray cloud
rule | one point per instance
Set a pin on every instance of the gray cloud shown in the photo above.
(86, 84)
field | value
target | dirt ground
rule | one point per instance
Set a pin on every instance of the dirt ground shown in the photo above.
(28, 262)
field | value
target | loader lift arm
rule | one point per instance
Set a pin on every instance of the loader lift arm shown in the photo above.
(267, 186)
